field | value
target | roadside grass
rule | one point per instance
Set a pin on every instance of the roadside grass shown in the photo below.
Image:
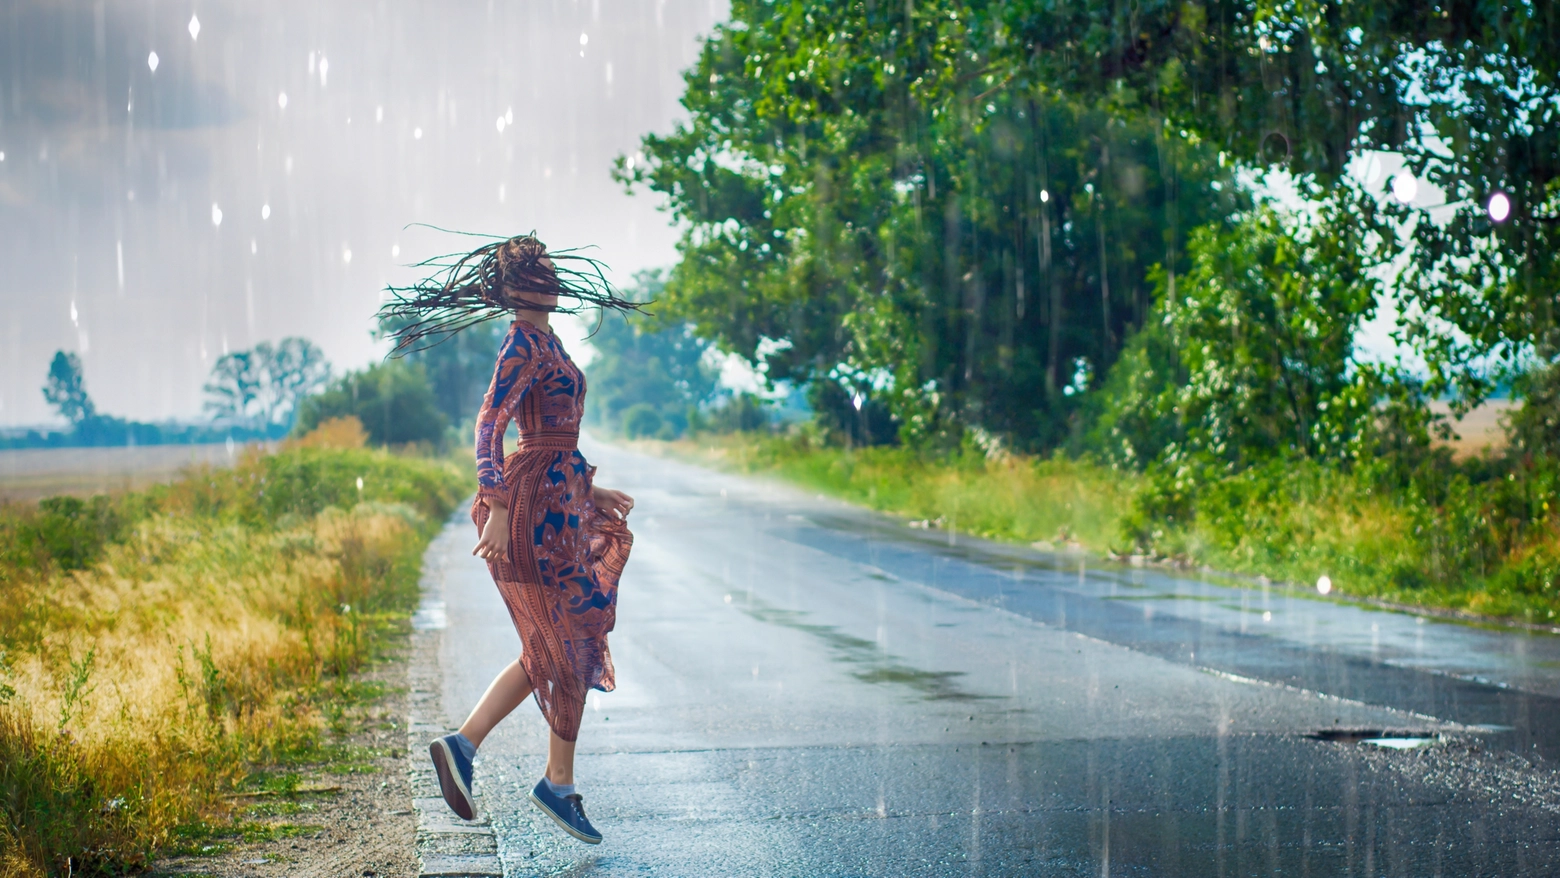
(1055, 501)
(164, 650)
(1475, 537)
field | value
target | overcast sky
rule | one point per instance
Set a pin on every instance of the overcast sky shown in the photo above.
(255, 183)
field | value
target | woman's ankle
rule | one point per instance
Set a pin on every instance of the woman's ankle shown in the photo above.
(469, 742)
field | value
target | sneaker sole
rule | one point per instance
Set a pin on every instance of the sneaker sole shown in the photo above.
(562, 823)
(455, 793)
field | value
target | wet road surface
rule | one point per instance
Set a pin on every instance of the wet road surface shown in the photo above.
(806, 689)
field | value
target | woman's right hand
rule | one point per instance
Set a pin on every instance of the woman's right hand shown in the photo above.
(493, 545)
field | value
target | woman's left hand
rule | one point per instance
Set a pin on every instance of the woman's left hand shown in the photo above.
(614, 503)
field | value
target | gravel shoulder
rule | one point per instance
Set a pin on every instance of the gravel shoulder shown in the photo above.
(352, 817)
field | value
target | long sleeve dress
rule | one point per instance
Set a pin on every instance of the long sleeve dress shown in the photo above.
(560, 578)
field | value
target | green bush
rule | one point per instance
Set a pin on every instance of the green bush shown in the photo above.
(72, 531)
(641, 420)
(394, 400)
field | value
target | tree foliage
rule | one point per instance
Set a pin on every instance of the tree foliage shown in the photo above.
(262, 387)
(1252, 356)
(861, 196)
(393, 400)
(955, 208)
(66, 388)
(648, 379)
(459, 368)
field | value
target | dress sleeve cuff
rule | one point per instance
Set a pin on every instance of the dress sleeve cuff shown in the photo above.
(486, 495)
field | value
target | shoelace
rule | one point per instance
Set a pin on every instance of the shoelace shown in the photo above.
(579, 803)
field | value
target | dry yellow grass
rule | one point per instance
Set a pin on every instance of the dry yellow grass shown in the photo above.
(205, 642)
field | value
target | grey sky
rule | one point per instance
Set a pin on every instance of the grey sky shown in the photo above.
(112, 170)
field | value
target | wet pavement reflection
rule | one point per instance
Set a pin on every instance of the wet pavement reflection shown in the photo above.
(805, 689)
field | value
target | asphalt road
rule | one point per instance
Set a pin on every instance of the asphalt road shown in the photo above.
(805, 689)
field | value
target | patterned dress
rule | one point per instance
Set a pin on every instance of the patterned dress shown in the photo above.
(560, 579)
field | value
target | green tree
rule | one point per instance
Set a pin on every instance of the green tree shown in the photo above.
(459, 368)
(393, 400)
(967, 197)
(648, 377)
(262, 387)
(1468, 92)
(1252, 356)
(66, 389)
(865, 207)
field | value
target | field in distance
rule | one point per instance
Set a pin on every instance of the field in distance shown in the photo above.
(31, 473)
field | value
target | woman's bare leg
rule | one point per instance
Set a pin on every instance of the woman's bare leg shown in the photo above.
(560, 760)
(508, 691)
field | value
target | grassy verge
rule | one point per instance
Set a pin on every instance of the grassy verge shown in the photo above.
(1055, 501)
(163, 650)
(1477, 542)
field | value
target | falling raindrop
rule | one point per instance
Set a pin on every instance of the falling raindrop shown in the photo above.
(1267, 615)
(509, 116)
(584, 39)
(1499, 207)
(254, 246)
(2, 155)
(395, 251)
(346, 254)
(216, 214)
(194, 28)
(265, 211)
(151, 61)
(324, 70)
(501, 193)
(75, 316)
(1405, 186)
(379, 114)
(1373, 170)
(1045, 196)
(500, 123)
(1324, 584)
(119, 262)
(417, 133)
(281, 100)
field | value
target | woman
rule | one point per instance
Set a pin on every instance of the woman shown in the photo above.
(555, 543)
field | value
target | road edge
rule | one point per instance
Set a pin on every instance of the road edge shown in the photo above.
(447, 847)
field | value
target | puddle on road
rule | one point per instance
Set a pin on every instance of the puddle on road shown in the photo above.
(1386, 739)
(1161, 597)
(872, 664)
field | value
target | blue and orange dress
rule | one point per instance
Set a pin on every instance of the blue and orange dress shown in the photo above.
(560, 579)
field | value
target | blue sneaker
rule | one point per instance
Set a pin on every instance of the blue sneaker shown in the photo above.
(568, 810)
(454, 769)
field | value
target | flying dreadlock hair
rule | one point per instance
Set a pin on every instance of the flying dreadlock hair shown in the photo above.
(492, 281)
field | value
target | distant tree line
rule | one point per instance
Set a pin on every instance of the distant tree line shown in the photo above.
(251, 395)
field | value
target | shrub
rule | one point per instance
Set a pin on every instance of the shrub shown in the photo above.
(393, 401)
(641, 420)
